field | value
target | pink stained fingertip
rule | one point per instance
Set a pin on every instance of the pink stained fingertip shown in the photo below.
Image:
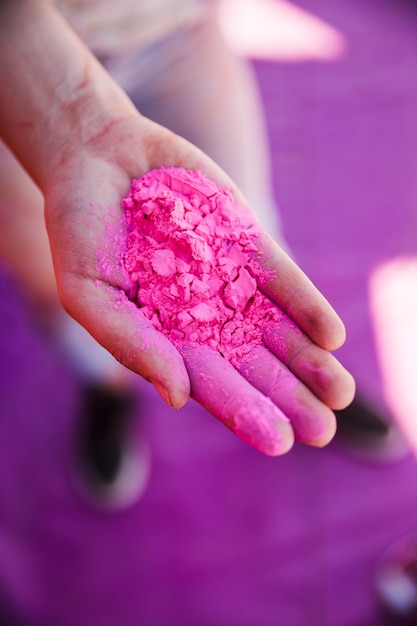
(219, 387)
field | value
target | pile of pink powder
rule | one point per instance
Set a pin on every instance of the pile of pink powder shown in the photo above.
(189, 250)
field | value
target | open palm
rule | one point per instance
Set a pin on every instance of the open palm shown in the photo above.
(282, 390)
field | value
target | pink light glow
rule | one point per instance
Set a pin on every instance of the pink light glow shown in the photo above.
(393, 298)
(278, 30)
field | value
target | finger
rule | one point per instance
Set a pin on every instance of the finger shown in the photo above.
(317, 368)
(313, 422)
(217, 386)
(120, 327)
(284, 282)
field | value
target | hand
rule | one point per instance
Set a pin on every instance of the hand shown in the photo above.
(82, 142)
(87, 233)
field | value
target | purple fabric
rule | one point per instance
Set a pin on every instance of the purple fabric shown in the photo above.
(224, 536)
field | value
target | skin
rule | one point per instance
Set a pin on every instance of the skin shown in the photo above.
(82, 142)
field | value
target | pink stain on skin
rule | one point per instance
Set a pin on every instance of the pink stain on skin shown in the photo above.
(312, 422)
(250, 415)
(317, 368)
(189, 249)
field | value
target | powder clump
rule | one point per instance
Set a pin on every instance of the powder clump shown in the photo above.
(189, 249)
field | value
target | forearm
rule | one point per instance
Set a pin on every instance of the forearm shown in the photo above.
(55, 97)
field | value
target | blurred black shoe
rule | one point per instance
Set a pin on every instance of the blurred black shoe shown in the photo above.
(114, 459)
(370, 432)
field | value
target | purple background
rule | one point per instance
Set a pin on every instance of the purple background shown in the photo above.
(224, 536)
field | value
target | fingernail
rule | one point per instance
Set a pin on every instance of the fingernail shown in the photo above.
(176, 399)
(163, 392)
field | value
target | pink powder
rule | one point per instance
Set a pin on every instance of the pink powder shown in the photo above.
(189, 249)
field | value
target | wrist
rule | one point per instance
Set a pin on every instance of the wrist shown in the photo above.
(56, 98)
